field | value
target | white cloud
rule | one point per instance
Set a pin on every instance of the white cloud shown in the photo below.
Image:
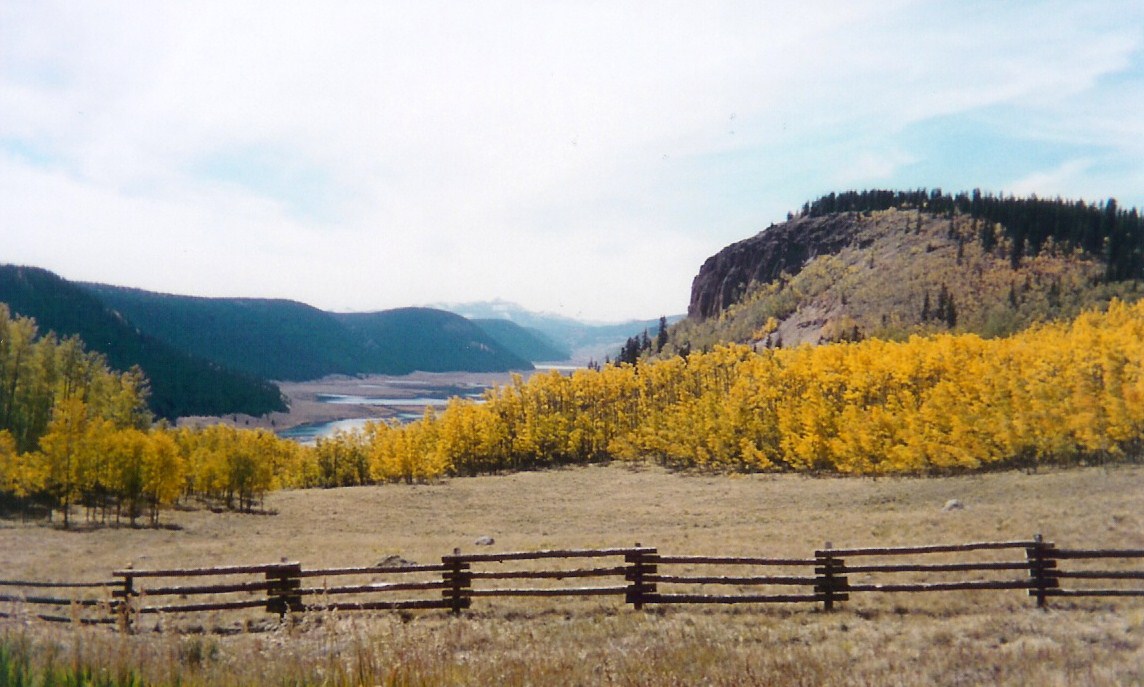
(582, 157)
(1053, 182)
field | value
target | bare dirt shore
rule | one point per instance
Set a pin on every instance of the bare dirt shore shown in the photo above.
(307, 408)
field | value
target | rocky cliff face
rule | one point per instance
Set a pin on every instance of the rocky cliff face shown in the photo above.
(785, 247)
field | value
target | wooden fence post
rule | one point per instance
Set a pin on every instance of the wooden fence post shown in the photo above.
(282, 595)
(1041, 565)
(126, 606)
(640, 565)
(457, 582)
(830, 580)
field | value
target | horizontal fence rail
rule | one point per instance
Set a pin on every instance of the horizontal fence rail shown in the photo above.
(481, 575)
(1120, 581)
(730, 580)
(365, 588)
(638, 576)
(89, 603)
(977, 569)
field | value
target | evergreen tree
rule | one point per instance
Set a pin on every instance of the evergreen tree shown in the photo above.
(988, 237)
(1103, 230)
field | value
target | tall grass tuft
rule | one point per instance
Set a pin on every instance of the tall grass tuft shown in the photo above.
(28, 663)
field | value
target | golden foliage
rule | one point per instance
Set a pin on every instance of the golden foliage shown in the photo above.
(1058, 392)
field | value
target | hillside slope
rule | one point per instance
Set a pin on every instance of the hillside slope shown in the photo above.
(407, 339)
(889, 273)
(290, 341)
(525, 342)
(272, 339)
(181, 384)
(585, 341)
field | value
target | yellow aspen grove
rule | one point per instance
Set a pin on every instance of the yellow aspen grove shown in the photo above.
(98, 474)
(424, 461)
(205, 454)
(466, 437)
(236, 468)
(343, 459)
(1055, 393)
(250, 467)
(63, 450)
(409, 453)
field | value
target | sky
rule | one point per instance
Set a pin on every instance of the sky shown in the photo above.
(578, 158)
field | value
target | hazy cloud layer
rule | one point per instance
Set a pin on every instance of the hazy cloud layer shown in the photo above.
(583, 158)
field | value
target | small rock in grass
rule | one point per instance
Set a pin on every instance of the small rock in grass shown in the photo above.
(485, 541)
(952, 505)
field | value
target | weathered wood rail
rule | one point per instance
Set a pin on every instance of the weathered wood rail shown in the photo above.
(360, 595)
(472, 576)
(89, 603)
(699, 574)
(639, 576)
(928, 576)
(1116, 582)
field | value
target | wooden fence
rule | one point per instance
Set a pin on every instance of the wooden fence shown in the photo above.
(82, 602)
(640, 576)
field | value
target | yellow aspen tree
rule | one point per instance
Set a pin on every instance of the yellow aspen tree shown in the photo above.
(427, 462)
(61, 451)
(462, 440)
(378, 437)
(163, 472)
(126, 451)
(95, 470)
(12, 480)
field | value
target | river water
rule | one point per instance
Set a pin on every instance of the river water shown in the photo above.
(392, 394)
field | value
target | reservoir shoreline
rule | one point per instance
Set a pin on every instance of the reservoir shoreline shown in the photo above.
(351, 400)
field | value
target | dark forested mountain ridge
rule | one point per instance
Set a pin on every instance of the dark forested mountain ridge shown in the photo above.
(180, 384)
(407, 339)
(288, 340)
(269, 338)
(212, 356)
(889, 264)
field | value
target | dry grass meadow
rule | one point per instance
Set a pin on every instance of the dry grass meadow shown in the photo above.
(957, 638)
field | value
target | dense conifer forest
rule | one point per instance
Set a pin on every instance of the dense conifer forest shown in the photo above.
(180, 384)
(1102, 229)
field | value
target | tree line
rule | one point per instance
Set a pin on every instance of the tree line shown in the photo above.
(1103, 230)
(1057, 393)
(75, 434)
(179, 384)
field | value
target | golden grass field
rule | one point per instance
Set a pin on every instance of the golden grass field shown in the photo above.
(949, 638)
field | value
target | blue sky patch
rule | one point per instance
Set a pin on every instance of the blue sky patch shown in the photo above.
(304, 189)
